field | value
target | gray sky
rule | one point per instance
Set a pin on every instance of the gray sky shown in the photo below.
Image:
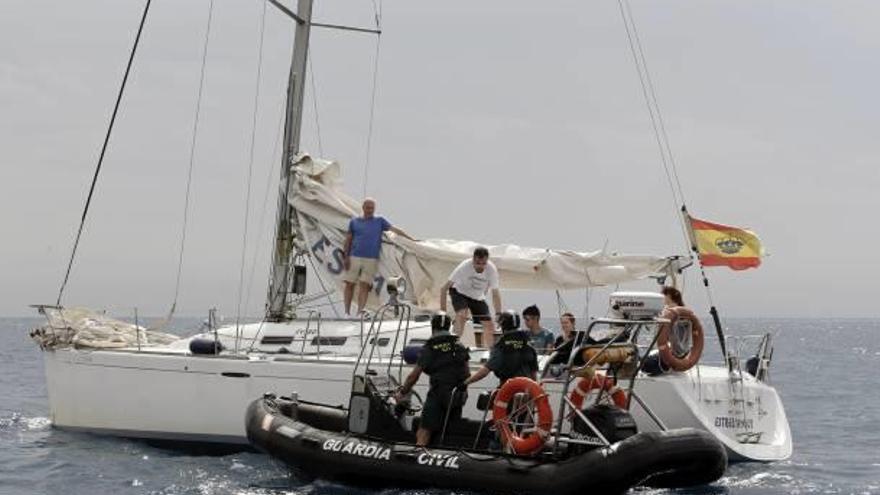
(495, 121)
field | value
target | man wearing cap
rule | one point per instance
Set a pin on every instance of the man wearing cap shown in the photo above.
(363, 243)
(512, 356)
(445, 360)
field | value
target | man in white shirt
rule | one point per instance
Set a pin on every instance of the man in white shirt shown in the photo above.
(467, 287)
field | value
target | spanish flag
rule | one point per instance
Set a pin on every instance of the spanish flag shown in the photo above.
(723, 245)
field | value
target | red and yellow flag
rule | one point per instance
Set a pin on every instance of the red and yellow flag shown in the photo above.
(723, 245)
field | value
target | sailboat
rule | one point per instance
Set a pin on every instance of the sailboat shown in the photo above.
(113, 377)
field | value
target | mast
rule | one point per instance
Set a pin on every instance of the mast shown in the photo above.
(285, 225)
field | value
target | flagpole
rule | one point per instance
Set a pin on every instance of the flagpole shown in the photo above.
(716, 319)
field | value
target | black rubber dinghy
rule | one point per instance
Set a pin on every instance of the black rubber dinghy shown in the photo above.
(312, 439)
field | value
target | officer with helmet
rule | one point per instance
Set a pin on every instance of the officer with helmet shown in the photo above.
(511, 356)
(445, 360)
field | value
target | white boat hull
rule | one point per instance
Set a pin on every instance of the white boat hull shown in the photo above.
(176, 397)
(179, 397)
(746, 415)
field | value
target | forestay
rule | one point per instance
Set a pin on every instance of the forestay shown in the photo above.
(323, 211)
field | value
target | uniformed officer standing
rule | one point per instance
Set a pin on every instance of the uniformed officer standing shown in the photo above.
(445, 360)
(511, 356)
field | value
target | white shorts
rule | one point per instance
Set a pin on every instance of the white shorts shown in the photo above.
(361, 270)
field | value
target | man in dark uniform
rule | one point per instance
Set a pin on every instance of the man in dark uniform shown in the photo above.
(511, 356)
(445, 360)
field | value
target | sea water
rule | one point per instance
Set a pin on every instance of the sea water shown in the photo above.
(825, 371)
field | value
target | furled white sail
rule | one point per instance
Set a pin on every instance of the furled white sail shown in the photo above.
(323, 211)
(86, 329)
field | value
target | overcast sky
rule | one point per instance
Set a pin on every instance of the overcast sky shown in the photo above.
(496, 121)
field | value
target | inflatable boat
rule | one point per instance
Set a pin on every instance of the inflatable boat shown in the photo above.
(521, 447)
(316, 440)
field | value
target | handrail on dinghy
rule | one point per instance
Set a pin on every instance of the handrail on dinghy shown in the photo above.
(598, 353)
(619, 354)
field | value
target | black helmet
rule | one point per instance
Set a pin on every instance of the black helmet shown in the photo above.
(509, 321)
(440, 322)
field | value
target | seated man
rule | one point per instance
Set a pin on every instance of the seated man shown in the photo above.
(511, 356)
(539, 337)
(445, 360)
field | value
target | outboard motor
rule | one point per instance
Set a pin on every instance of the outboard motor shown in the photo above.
(613, 423)
(371, 413)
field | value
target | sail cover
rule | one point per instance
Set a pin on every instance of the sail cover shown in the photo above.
(323, 212)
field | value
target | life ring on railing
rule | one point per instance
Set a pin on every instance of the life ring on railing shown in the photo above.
(584, 386)
(670, 358)
(531, 442)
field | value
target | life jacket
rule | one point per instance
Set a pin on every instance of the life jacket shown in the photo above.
(446, 360)
(517, 357)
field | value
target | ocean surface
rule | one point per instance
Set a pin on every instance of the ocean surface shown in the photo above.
(825, 370)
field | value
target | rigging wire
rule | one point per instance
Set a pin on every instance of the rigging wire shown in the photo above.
(310, 307)
(656, 102)
(561, 307)
(588, 294)
(324, 287)
(276, 157)
(655, 117)
(668, 165)
(192, 155)
(322, 305)
(315, 105)
(377, 12)
(250, 171)
(88, 203)
(663, 133)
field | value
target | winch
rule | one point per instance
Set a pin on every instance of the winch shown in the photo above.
(632, 305)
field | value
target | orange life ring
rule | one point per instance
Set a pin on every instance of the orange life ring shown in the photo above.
(670, 359)
(531, 442)
(584, 386)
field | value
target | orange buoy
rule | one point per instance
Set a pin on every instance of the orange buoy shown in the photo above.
(599, 380)
(530, 442)
(667, 354)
